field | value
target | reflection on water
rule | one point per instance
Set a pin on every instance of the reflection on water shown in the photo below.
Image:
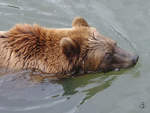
(19, 93)
(89, 85)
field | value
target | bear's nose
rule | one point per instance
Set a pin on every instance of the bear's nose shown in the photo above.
(135, 59)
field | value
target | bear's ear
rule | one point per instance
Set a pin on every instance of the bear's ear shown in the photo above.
(79, 21)
(69, 47)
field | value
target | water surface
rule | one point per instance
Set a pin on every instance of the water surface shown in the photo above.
(127, 91)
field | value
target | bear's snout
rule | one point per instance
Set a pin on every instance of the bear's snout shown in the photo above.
(123, 59)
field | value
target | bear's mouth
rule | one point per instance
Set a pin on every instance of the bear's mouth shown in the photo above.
(116, 69)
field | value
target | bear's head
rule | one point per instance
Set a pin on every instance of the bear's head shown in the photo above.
(88, 50)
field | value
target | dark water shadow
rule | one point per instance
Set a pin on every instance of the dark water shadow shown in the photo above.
(89, 84)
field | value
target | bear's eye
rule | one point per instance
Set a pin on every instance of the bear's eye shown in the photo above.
(108, 57)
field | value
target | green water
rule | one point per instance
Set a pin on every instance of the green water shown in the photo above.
(127, 91)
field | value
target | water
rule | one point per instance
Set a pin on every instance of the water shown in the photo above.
(127, 91)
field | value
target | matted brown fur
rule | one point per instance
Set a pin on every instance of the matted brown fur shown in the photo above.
(37, 47)
(55, 51)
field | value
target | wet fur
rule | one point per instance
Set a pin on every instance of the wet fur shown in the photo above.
(54, 51)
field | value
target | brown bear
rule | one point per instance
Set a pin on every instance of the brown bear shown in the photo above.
(61, 52)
